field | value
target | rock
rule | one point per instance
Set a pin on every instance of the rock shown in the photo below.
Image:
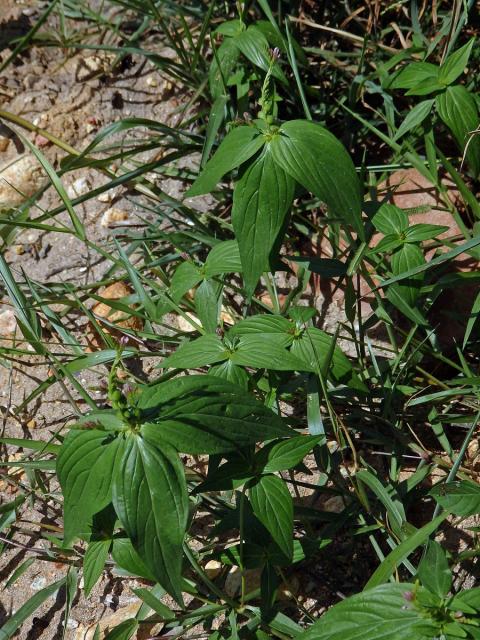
(41, 141)
(8, 323)
(4, 142)
(19, 180)
(78, 188)
(335, 504)
(233, 581)
(213, 569)
(102, 310)
(39, 583)
(109, 195)
(114, 216)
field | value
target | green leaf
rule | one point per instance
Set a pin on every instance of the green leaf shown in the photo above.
(286, 454)
(414, 117)
(154, 603)
(223, 258)
(314, 348)
(264, 324)
(208, 302)
(266, 351)
(261, 202)
(227, 55)
(273, 506)
(215, 119)
(390, 219)
(388, 497)
(402, 551)
(464, 247)
(422, 232)
(433, 570)
(192, 354)
(231, 372)
(415, 75)
(124, 554)
(458, 110)
(94, 562)
(404, 259)
(269, 583)
(254, 46)
(15, 621)
(58, 185)
(455, 64)
(123, 631)
(467, 601)
(377, 614)
(318, 161)
(85, 467)
(202, 414)
(150, 498)
(186, 276)
(472, 319)
(236, 148)
(461, 498)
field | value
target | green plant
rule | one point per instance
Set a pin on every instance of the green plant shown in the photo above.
(263, 447)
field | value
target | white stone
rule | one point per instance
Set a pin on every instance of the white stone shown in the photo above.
(8, 323)
(19, 180)
(78, 188)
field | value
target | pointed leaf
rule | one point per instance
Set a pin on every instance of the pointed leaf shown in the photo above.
(186, 276)
(223, 258)
(208, 302)
(128, 559)
(390, 219)
(415, 75)
(237, 147)
(94, 563)
(227, 55)
(254, 46)
(314, 348)
(377, 614)
(415, 117)
(404, 259)
(266, 351)
(150, 498)
(261, 201)
(85, 467)
(461, 498)
(205, 350)
(318, 161)
(203, 414)
(455, 64)
(433, 570)
(273, 505)
(286, 454)
(458, 110)
(123, 631)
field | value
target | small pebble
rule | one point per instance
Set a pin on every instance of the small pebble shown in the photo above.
(113, 216)
(39, 583)
(8, 323)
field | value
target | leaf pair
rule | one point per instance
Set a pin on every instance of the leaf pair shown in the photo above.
(140, 472)
(272, 163)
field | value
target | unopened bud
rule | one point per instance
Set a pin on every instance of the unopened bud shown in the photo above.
(275, 53)
(124, 340)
